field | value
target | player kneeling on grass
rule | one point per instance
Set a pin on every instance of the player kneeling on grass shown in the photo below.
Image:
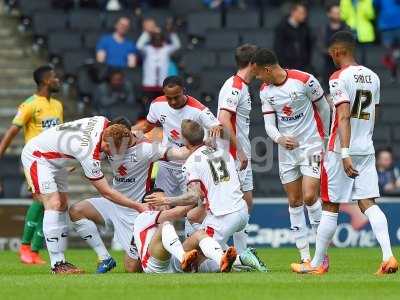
(211, 176)
(131, 169)
(45, 159)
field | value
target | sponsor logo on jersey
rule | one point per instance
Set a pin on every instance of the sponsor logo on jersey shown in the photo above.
(122, 170)
(271, 100)
(174, 134)
(162, 119)
(294, 96)
(48, 123)
(124, 180)
(287, 110)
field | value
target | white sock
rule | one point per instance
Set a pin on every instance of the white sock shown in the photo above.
(326, 231)
(300, 231)
(208, 266)
(55, 230)
(314, 215)
(87, 230)
(211, 249)
(240, 240)
(171, 241)
(379, 225)
(191, 228)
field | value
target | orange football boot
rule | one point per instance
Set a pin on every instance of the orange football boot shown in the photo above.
(388, 267)
(228, 259)
(188, 260)
(37, 260)
(25, 254)
(306, 268)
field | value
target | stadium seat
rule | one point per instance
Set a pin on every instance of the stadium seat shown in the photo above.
(226, 59)
(317, 18)
(47, 21)
(261, 38)
(12, 185)
(194, 61)
(59, 42)
(135, 77)
(91, 38)
(198, 23)
(239, 19)
(221, 40)
(160, 15)
(272, 17)
(85, 83)
(84, 20)
(29, 7)
(184, 7)
(390, 114)
(390, 95)
(112, 17)
(396, 133)
(72, 60)
(382, 133)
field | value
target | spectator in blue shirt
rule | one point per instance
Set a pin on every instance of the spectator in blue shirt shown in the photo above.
(115, 49)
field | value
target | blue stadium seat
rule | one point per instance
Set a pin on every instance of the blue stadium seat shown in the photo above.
(91, 38)
(29, 7)
(221, 40)
(196, 60)
(84, 20)
(58, 42)
(47, 21)
(184, 7)
(198, 23)
(73, 60)
(261, 38)
(271, 18)
(239, 19)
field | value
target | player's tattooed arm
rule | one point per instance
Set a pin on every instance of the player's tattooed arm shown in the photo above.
(181, 153)
(191, 197)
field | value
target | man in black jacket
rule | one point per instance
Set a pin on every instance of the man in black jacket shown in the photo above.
(293, 41)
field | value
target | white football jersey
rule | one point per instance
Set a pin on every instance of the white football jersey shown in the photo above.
(132, 171)
(293, 103)
(234, 97)
(216, 172)
(360, 87)
(170, 119)
(80, 140)
(144, 228)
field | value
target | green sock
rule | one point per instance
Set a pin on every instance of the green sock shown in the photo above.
(34, 213)
(38, 237)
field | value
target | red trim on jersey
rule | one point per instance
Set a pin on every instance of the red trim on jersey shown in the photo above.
(148, 180)
(94, 179)
(193, 102)
(320, 125)
(34, 177)
(51, 155)
(324, 183)
(298, 75)
(96, 152)
(231, 111)
(341, 102)
(143, 235)
(269, 112)
(263, 86)
(336, 74)
(237, 82)
(210, 231)
(331, 145)
(232, 149)
(160, 99)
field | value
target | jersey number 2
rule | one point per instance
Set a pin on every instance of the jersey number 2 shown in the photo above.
(361, 102)
(218, 170)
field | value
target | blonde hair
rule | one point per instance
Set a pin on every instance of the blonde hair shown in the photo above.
(117, 133)
(192, 132)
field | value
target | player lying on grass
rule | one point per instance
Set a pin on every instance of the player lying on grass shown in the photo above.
(45, 159)
(211, 178)
(296, 101)
(131, 170)
(349, 170)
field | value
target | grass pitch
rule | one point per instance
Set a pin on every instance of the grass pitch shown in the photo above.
(350, 277)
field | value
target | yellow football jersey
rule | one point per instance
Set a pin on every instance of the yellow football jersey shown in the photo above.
(38, 113)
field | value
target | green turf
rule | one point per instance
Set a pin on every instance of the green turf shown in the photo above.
(350, 277)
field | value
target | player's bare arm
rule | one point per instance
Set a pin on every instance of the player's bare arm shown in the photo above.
(344, 129)
(225, 119)
(181, 153)
(324, 111)
(7, 139)
(106, 191)
(174, 214)
(144, 127)
(288, 142)
(216, 131)
(191, 197)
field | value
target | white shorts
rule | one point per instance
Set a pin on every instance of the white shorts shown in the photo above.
(289, 173)
(42, 176)
(157, 266)
(121, 219)
(221, 228)
(246, 177)
(337, 187)
(170, 180)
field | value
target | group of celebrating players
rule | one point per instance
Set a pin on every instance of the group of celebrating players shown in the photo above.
(205, 174)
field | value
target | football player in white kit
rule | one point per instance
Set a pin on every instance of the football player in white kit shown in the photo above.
(348, 172)
(45, 158)
(234, 106)
(296, 101)
(131, 176)
(211, 176)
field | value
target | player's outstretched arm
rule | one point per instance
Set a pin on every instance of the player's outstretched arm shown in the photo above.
(144, 127)
(344, 130)
(174, 214)
(181, 153)
(106, 191)
(7, 139)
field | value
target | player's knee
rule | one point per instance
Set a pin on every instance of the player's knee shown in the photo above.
(296, 202)
(132, 266)
(365, 204)
(76, 212)
(309, 197)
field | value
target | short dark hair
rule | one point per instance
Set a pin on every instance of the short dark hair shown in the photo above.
(244, 55)
(343, 37)
(384, 149)
(295, 4)
(193, 132)
(40, 73)
(265, 57)
(121, 120)
(154, 190)
(172, 81)
(330, 4)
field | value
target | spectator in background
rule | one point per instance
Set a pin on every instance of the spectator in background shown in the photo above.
(388, 175)
(389, 27)
(214, 4)
(293, 39)
(115, 97)
(334, 25)
(1, 188)
(115, 49)
(359, 16)
(156, 52)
